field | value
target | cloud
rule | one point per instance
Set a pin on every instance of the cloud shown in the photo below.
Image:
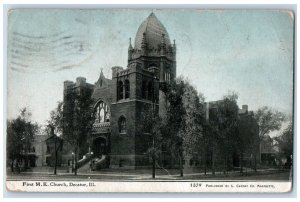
(81, 21)
(59, 51)
(65, 67)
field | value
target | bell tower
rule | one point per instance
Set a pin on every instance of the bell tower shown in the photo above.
(138, 89)
(152, 47)
(155, 53)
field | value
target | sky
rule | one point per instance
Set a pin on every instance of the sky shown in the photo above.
(246, 51)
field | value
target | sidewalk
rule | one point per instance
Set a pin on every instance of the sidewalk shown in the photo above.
(146, 174)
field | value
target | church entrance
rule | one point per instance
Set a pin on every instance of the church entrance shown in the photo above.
(99, 147)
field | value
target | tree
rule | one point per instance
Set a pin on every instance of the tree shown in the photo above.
(223, 123)
(152, 124)
(56, 118)
(55, 125)
(20, 135)
(78, 121)
(185, 118)
(174, 121)
(285, 144)
(268, 120)
(193, 118)
(191, 132)
(247, 137)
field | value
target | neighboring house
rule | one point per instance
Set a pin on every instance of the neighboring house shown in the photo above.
(269, 151)
(54, 143)
(39, 149)
(248, 157)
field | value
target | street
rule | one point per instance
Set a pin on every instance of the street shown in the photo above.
(146, 174)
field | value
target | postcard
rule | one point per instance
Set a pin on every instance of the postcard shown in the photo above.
(141, 100)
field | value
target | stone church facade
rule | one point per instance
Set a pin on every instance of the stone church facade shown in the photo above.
(119, 102)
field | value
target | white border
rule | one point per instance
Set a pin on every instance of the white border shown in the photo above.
(115, 4)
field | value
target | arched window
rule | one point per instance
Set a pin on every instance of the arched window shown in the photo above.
(120, 90)
(107, 114)
(150, 90)
(152, 65)
(144, 90)
(102, 113)
(167, 77)
(122, 124)
(127, 89)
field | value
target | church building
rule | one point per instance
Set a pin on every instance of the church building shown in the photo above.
(119, 103)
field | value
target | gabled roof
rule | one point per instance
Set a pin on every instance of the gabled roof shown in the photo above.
(102, 81)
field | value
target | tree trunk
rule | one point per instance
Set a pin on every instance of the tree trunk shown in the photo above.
(205, 160)
(181, 166)
(26, 159)
(153, 166)
(225, 162)
(153, 157)
(75, 161)
(241, 162)
(12, 165)
(224, 166)
(260, 153)
(55, 163)
(255, 163)
(213, 161)
(18, 166)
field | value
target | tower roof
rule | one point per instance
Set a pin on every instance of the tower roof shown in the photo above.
(153, 30)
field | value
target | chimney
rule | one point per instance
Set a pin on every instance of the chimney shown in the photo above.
(80, 81)
(68, 84)
(207, 111)
(115, 70)
(245, 108)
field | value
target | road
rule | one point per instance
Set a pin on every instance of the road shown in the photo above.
(142, 175)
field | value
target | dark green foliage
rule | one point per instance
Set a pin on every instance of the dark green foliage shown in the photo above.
(20, 135)
(183, 130)
(78, 121)
(247, 139)
(56, 118)
(223, 124)
(285, 144)
(268, 120)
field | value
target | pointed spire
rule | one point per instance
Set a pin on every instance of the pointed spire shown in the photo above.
(163, 40)
(152, 14)
(144, 42)
(174, 46)
(163, 45)
(130, 46)
(174, 49)
(101, 78)
(130, 50)
(101, 73)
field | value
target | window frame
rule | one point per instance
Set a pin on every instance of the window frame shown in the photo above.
(127, 88)
(99, 107)
(122, 125)
(120, 88)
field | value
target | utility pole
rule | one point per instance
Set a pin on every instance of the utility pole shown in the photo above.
(55, 148)
(153, 157)
(55, 165)
(153, 133)
(181, 166)
(56, 151)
